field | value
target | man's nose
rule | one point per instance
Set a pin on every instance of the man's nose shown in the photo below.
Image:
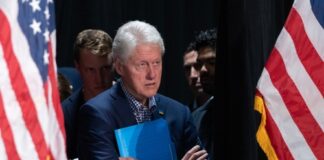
(203, 68)
(103, 75)
(151, 72)
(98, 76)
(193, 73)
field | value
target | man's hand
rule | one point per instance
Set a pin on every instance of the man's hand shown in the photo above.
(195, 154)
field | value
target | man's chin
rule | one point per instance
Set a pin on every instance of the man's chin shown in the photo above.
(210, 90)
(200, 90)
(150, 94)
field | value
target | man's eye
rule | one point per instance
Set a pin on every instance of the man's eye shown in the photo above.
(142, 64)
(198, 65)
(210, 62)
(156, 63)
(90, 69)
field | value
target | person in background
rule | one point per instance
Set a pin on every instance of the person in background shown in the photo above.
(64, 87)
(204, 117)
(92, 58)
(137, 52)
(193, 78)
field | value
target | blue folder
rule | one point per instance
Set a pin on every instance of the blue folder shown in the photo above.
(146, 141)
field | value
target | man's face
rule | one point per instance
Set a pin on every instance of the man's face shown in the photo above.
(206, 61)
(95, 72)
(191, 71)
(141, 73)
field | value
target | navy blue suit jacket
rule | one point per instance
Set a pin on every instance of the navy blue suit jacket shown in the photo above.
(71, 107)
(110, 110)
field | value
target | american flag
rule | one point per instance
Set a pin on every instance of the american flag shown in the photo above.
(290, 92)
(31, 120)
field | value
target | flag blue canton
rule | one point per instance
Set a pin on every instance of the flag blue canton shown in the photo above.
(37, 21)
(318, 9)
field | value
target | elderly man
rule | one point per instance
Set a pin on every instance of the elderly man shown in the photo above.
(137, 53)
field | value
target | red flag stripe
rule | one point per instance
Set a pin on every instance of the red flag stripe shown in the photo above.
(21, 90)
(268, 134)
(55, 111)
(53, 132)
(47, 132)
(309, 57)
(29, 70)
(6, 134)
(12, 108)
(300, 77)
(277, 141)
(314, 30)
(296, 105)
(292, 85)
(55, 96)
(281, 116)
(3, 156)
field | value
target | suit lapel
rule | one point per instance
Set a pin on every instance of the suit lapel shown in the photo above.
(160, 110)
(122, 107)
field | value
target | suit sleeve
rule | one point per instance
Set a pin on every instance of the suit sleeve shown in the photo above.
(96, 135)
(190, 132)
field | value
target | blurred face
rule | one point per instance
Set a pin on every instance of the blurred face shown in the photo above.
(95, 72)
(206, 61)
(141, 72)
(192, 72)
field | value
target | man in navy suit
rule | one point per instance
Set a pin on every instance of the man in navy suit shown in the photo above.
(137, 53)
(92, 58)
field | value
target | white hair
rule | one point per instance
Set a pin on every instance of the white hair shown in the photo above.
(132, 34)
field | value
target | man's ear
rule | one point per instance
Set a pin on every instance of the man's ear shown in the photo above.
(119, 66)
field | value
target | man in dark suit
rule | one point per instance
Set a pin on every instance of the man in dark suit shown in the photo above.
(192, 74)
(92, 58)
(204, 117)
(137, 53)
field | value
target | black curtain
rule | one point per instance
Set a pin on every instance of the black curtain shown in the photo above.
(247, 30)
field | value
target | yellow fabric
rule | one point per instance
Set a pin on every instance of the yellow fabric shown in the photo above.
(262, 135)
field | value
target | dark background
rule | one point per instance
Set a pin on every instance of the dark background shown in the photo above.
(247, 30)
(177, 22)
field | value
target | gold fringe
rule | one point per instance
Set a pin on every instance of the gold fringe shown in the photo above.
(262, 135)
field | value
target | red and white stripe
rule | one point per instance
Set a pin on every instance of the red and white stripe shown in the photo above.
(292, 86)
(2, 149)
(34, 128)
(312, 27)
